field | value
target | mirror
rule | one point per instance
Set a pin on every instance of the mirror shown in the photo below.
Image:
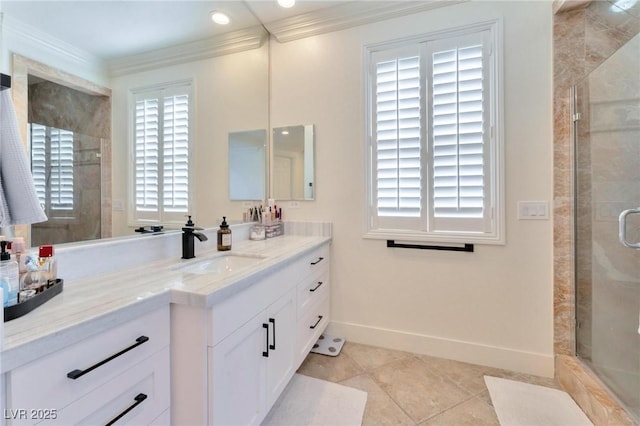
(247, 165)
(230, 72)
(293, 163)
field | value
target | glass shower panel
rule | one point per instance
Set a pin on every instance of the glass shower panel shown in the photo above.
(607, 137)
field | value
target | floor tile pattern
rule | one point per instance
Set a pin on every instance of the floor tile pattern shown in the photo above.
(412, 389)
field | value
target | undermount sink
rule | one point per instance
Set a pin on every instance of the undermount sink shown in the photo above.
(221, 264)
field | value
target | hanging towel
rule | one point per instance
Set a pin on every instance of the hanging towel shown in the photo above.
(19, 203)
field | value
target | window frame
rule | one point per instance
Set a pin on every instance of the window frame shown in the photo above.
(159, 91)
(420, 229)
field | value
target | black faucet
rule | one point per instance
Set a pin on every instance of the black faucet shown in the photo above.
(189, 231)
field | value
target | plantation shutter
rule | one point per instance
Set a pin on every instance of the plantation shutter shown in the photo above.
(434, 137)
(147, 156)
(176, 154)
(61, 169)
(162, 144)
(396, 133)
(459, 134)
(38, 135)
(52, 150)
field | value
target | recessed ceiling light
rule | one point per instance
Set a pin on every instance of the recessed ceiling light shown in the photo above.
(286, 3)
(220, 17)
(285, 132)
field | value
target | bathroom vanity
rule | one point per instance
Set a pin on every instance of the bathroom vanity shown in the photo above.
(211, 340)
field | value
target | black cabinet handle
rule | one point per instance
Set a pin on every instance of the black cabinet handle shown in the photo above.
(139, 398)
(316, 287)
(266, 353)
(317, 322)
(320, 259)
(79, 373)
(273, 321)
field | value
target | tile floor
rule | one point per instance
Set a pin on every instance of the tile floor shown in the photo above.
(412, 389)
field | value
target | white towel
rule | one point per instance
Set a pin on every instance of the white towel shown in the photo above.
(19, 203)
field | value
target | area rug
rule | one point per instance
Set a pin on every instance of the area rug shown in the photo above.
(308, 401)
(523, 404)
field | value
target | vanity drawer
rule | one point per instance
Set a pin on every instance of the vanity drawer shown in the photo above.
(44, 383)
(140, 394)
(311, 291)
(310, 327)
(316, 261)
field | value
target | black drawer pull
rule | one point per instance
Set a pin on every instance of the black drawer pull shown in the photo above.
(266, 353)
(79, 373)
(320, 259)
(317, 322)
(139, 398)
(316, 287)
(273, 321)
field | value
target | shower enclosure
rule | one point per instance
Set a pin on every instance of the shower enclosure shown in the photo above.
(607, 188)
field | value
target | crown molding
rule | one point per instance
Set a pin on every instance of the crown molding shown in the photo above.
(224, 44)
(33, 38)
(348, 15)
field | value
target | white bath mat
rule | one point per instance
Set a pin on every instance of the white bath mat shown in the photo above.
(523, 404)
(308, 401)
(328, 345)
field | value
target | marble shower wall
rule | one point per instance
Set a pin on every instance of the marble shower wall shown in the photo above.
(88, 117)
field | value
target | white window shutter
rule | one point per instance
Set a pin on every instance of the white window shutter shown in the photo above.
(38, 138)
(61, 169)
(147, 134)
(459, 134)
(176, 154)
(52, 169)
(162, 150)
(435, 137)
(397, 136)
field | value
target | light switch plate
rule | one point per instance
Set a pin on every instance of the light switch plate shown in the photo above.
(533, 210)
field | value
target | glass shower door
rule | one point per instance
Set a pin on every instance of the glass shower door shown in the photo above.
(607, 136)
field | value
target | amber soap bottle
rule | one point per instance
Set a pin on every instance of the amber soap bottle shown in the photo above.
(224, 236)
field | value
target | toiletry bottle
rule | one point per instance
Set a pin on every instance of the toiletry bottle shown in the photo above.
(9, 280)
(20, 255)
(224, 236)
(48, 266)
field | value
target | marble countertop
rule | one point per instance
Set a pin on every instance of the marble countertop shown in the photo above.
(91, 305)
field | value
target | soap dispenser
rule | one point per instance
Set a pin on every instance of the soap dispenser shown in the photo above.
(9, 276)
(224, 236)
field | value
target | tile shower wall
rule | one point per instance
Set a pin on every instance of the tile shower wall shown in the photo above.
(583, 40)
(88, 117)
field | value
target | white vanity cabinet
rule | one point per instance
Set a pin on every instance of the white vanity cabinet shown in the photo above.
(252, 366)
(252, 344)
(121, 375)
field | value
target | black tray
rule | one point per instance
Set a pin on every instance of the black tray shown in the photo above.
(23, 308)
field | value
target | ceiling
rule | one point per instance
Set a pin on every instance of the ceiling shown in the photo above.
(120, 28)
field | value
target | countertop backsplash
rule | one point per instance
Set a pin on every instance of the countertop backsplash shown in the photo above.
(80, 260)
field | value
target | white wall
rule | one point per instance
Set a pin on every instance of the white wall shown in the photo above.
(491, 307)
(231, 94)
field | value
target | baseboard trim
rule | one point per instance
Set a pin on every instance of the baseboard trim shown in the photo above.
(474, 353)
